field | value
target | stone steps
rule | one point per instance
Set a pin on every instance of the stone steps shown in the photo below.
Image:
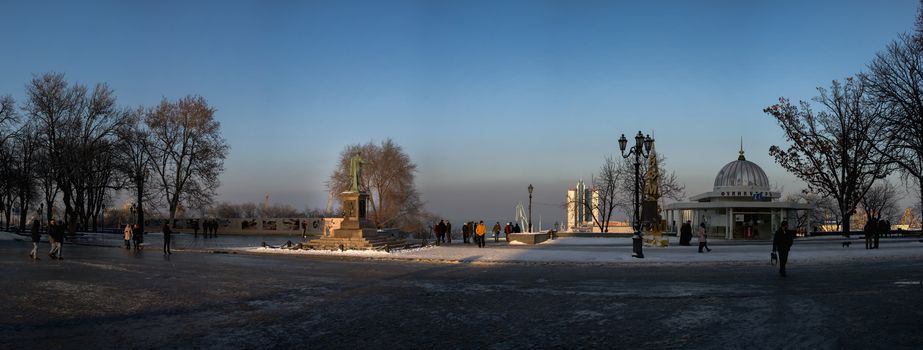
(364, 243)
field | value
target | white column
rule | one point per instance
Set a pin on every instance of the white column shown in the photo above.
(730, 227)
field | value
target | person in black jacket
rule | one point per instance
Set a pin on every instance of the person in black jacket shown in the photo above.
(869, 231)
(137, 236)
(782, 243)
(167, 232)
(685, 233)
(56, 237)
(36, 237)
(884, 228)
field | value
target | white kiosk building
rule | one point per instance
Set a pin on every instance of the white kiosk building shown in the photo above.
(740, 206)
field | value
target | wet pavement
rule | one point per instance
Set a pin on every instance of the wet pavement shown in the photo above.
(102, 297)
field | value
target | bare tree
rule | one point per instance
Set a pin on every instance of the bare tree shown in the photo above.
(52, 104)
(833, 150)
(822, 207)
(605, 199)
(134, 161)
(388, 176)
(882, 201)
(25, 147)
(896, 78)
(670, 187)
(280, 211)
(8, 117)
(187, 152)
(226, 210)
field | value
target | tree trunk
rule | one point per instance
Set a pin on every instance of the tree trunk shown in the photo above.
(141, 205)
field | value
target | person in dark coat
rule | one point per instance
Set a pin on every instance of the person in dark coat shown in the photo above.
(507, 229)
(56, 236)
(136, 236)
(36, 237)
(517, 229)
(466, 232)
(869, 232)
(685, 233)
(448, 230)
(440, 231)
(195, 229)
(884, 228)
(782, 244)
(167, 233)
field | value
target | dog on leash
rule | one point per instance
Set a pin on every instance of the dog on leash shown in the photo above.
(846, 244)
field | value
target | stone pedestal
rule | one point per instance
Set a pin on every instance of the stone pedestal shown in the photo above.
(352, 234)
(354, 210)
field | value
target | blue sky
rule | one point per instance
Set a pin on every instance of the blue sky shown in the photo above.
(485, 96)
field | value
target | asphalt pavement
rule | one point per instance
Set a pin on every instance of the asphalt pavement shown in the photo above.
(104, 297)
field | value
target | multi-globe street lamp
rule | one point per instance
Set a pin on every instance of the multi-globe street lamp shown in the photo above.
(641, 149)
(530, 207)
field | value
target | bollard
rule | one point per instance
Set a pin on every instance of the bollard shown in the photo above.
(637, 244)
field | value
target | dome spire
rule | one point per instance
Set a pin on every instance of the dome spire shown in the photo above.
(741, 157)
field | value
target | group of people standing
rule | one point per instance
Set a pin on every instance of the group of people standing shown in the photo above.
(443, 230)
(209, 228)
(873, 230)
(55, 238)
(473, 231)
(685, 235)
(133, 236)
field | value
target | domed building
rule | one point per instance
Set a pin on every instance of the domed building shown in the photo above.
(740, 206)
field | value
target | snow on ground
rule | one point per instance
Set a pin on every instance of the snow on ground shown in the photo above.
(618, 250)
(614, 250)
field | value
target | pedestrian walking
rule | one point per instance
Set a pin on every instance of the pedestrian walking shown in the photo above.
(36, 237)
(507, 229)
(448, 230)
(685, 233)
(496, 230)
(436, 233)
(782, 243)
(884, 228)
(869, 231)
(703, 238)
(137, 236)
(167, 232)
(479, 232)
(127, 236)
(55, 236)
(195, 229)
(304, 229)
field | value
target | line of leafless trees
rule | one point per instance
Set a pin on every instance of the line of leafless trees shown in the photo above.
(244, 210)
(70, 146)
(862, 130)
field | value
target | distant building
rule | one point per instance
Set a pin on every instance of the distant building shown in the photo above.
(582, 206)
(741, 205)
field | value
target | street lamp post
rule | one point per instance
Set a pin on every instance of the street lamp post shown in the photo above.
(530, 207)
(641, 149)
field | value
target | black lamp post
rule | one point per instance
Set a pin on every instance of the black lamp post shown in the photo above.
(641, 149)
(530, 207)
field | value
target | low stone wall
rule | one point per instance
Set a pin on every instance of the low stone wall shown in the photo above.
(528, 238)
(592, 234)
